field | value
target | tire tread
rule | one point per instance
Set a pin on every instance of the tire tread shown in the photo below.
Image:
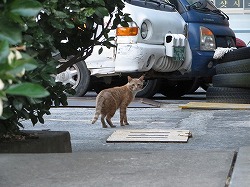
(228, 95)
(239, 66)
(239, 54)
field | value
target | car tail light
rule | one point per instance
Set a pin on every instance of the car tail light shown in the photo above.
(240, 43)
(127, 31)
(207, 39)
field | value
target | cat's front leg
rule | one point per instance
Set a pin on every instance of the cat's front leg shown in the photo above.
(123, 117)
(126, 120)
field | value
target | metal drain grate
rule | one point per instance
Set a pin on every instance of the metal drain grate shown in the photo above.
(149, 136)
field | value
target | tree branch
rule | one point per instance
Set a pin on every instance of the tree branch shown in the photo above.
(77, 58)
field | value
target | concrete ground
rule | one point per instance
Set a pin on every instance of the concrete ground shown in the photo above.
(220, 137)
(119, 168)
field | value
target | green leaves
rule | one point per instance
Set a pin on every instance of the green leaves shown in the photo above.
(27, 89)
(27, 72)
(10, 32)
(99, 2)
(60, 14)
(10, 28)
(10, 23)
(69, 24)
(25, 8)
(4, 51)
(101, 12)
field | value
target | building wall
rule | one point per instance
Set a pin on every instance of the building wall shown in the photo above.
(239, 16)
(240, 23)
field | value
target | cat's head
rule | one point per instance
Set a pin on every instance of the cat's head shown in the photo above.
(135, 84)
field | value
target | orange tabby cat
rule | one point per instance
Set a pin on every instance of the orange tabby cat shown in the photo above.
(109, 100)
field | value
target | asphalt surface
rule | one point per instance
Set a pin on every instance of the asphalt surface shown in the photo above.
(211, 129)
(219, 137)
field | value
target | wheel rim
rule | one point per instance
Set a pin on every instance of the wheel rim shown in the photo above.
(71, 76)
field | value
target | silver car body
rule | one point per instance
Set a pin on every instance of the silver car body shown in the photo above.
(158, 50)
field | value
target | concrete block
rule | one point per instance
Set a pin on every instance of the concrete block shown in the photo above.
(47, 142)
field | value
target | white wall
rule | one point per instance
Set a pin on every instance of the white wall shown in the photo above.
(240, 23)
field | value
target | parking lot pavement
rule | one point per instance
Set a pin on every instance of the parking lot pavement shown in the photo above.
(119, 168)
(205, 160)
(211, 129)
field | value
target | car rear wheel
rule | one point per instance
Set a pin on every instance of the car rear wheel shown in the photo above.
(150, 88)
(77, 76)
(176, 89)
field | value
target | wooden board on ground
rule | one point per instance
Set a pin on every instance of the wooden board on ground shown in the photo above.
(149, 136)
(215, 106)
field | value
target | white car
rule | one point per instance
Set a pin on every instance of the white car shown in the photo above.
(154, 42)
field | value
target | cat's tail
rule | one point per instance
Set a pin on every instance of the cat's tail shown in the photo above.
(97, 114)
(99, 101)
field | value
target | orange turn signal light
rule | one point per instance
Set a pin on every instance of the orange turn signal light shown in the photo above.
(127, 31)
(206, 31)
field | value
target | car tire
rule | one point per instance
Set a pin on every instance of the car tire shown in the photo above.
(176, 89)
(82, 87)
(238, 54)
(228, 95)
(205, 86)
(195, 86)
(99, 86)
(239, 66)
(233, 80)
(150, 88)
(78, 76)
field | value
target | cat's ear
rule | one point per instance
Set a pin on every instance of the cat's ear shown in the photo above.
(129, 78)
(141, 78)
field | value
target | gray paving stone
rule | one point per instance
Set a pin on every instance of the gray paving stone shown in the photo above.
(241, 172)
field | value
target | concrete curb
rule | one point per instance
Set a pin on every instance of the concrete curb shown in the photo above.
(48, 142)
(241, 172)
